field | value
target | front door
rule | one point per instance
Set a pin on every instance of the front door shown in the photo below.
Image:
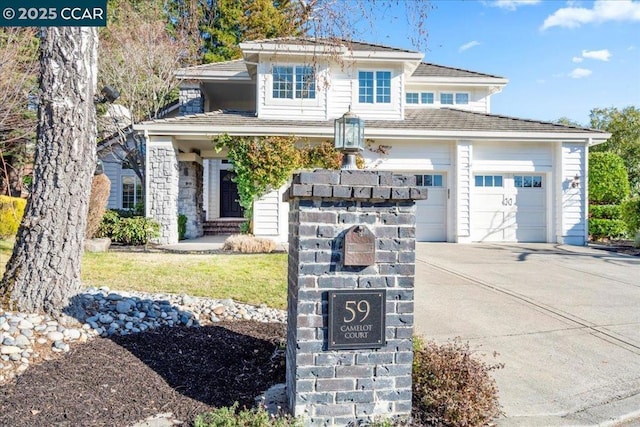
(229, 206)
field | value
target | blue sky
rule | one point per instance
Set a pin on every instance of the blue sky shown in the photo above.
(562, 58)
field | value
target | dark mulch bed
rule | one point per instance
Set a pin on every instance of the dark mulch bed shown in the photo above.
(122, 380)
(617, 246)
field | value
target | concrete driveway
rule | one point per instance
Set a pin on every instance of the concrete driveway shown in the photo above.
(565, 321)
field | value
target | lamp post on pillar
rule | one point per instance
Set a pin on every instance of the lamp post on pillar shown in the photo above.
(349, 138)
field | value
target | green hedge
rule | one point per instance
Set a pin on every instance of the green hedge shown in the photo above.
(136, 230)
(605, 211)
(630, 214)
(607, 228)
(11, 212)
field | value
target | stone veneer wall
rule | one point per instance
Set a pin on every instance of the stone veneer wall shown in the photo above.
(162, 196)
(190, 201)
(191, 100)
(340, 387)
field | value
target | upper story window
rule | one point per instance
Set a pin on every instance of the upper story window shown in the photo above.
(374, 87)
(413, 98)
(427, 98)
(450, 98)
(294, 82)
(419, 97)
(462, 98)
(446, 98)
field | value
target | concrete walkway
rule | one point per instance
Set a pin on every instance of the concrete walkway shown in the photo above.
(200, 244)
(565, 321)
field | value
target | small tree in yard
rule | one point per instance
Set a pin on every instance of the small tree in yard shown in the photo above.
(139, 58)
(44, 269)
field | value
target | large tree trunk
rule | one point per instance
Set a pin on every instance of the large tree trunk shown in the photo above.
(44, 269)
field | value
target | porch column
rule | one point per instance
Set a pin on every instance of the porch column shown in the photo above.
(190, 198)
(162, 187)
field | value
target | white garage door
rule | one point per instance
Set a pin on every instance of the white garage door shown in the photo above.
(431, 214)
(509, 208)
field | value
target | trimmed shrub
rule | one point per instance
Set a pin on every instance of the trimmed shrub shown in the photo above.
(11, 213)
(630, 214)
(607, 228)
(232, 417)
(608, 179)
(135, 230)
(605, 211)
(451, 387)
(182, 226)
(100, 189)
(248, 244)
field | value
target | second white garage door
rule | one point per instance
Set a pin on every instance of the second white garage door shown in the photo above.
(431, 214)
(509, 208)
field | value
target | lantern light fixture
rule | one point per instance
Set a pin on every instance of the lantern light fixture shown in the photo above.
(349, 138)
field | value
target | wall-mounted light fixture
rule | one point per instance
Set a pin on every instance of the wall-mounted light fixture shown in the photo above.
(575, 183)
(109, 94)
(349, 138)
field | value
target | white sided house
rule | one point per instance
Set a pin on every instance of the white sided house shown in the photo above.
(490, 178)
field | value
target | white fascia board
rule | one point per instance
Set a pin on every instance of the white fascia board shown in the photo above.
(386, 55)
(485, 135)
(276, 48)
(400, 134)
(168, 129)
(459, 81)
(209, 75)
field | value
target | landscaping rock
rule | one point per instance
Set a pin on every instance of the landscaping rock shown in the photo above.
(103, 312)
(97, 245)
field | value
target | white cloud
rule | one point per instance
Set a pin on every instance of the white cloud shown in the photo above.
(469, 45)
(600, 55)
(577, 59)
(603, 10)
(630, 48)
(579, 73)
(512, 4)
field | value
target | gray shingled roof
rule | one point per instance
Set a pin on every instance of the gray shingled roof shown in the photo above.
(434, 70)
(443, 119)
(353, 45)
(236, 65)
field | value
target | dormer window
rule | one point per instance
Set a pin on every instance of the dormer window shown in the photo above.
(294, 82)
(419, 98)
(374, 87)
(457, 98)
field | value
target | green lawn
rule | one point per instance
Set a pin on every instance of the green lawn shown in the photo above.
(254, 279)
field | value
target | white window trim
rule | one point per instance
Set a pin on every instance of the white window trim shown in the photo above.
(376, 105)
(270, 100)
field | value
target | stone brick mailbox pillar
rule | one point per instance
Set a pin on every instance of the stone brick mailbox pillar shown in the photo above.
(350, 295)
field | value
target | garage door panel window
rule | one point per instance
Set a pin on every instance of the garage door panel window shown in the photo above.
(429, 180)
(527, 181)
(488, 181)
